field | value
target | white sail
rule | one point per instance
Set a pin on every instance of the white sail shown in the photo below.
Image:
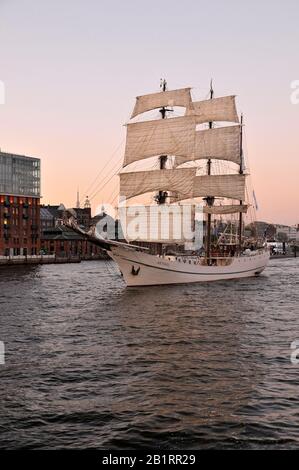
(174, 136)
(181, 97)
(229, 186)
(228, 209)
(141, 182)
(216, 109)
(221, 143)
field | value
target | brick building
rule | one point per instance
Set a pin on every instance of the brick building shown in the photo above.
(47, 220)
(19, 205)
(65, 242)
(83, 216)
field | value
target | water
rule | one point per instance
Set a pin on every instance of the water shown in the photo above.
(90, 364)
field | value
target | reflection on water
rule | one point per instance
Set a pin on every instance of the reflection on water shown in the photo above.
(92, 364)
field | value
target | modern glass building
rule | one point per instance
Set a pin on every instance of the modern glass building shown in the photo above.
(19, 175)
(19, 205)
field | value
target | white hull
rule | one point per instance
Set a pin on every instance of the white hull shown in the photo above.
(142, 269)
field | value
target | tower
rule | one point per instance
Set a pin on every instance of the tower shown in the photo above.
(78, 200)
(87, 204)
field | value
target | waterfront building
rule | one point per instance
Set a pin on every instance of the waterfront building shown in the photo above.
(81, 214)
(64, 242)
(260, 229)
(286, 232)
(19, 205)
(51, 215)
(47, 220)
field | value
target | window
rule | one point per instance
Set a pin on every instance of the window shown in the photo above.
(19, 175)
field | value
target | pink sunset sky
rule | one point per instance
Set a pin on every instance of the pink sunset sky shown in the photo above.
(71, 70)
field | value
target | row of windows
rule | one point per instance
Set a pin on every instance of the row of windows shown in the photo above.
(15, 222)
(19, 251)
(25, 233)
(16, 241)
(15, 213)
(9, 200)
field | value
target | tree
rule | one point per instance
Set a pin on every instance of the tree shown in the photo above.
(282, 237)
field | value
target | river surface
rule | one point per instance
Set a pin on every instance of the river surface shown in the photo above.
(91, 364)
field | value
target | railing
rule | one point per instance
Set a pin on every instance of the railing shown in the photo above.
(213, 259)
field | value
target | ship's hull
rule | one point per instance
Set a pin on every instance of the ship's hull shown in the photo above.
(142, 269)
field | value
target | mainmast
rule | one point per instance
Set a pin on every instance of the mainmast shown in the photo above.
(209, 199)
(162, 195)
(241, 171)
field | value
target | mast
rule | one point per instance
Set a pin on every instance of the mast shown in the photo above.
(162, 195)
(209, 199)
(241, 171)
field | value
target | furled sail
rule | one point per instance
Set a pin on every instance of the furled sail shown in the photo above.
(141, 182)
(221, 143)
(160, 137)
(228, 209)
(217, 109)
(181, 97)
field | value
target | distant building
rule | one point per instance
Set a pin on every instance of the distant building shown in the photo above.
(54, 212)
(261, 230)
(274, 232)
(65, 242)
(83, 216)
(107, 227)
(52, 228)
(47, 219)
(286, 232)
(19, 205)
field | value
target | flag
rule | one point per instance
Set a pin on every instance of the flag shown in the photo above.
(255, 201)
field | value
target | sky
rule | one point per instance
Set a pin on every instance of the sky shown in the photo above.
(71, 70)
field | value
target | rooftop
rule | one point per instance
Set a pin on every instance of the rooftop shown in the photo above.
(61, 233)
(45, 214)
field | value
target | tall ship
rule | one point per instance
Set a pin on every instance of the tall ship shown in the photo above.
(185, 156)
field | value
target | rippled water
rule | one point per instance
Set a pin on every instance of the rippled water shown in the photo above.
(92, 364)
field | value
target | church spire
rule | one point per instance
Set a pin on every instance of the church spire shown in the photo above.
(78, 200)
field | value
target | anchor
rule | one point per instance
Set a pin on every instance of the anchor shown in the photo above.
(134, 271)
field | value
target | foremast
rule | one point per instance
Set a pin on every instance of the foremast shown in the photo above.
(162, 195)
